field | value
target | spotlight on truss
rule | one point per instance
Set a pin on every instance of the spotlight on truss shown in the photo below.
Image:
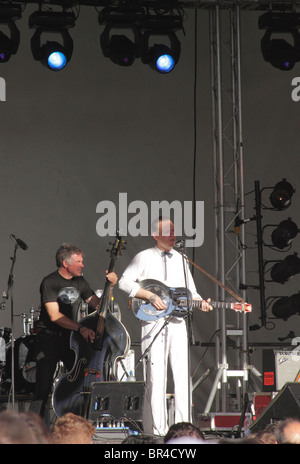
(54, 54)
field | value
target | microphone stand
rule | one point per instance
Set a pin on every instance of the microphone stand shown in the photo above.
(145, 353)
(10, 292)
(190, 333)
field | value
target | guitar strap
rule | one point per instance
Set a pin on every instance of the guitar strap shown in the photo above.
(231, 292)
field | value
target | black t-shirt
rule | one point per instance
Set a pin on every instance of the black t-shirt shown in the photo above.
(66, 292)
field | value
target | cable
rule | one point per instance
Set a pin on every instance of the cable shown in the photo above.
(205, 351)
(195, 127)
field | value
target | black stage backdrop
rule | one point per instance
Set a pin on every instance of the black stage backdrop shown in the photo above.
(72, 139)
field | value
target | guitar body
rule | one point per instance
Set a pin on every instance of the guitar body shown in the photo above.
(144, 310)
(176, 300)
(93, 363)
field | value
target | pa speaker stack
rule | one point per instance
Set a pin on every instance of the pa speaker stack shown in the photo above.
(286, 404)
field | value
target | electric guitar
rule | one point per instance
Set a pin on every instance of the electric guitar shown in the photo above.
(176, 301)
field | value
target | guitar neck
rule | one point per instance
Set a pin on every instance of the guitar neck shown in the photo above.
(214, 304)
(217, 304)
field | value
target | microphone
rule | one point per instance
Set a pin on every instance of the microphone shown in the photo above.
(20, 242)
(179, 244)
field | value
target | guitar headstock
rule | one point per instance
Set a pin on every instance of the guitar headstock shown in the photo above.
(242, 307)
(117, 246)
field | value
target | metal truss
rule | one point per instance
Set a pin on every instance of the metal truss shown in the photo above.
(169, 4)
(228, 200)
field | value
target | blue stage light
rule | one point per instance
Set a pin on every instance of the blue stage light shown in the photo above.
(160, 57)
(165, 63)
(54, 54)
(57, 61)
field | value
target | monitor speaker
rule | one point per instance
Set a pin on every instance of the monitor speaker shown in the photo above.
(286, 404)
(280, 367)
(116, 400)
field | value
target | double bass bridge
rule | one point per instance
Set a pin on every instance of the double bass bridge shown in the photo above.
(95, 372)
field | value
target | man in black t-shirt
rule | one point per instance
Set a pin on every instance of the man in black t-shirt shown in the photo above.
(60, 291)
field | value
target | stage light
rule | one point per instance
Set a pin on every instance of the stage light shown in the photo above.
(9, 45)
(9, 33)
(280, 53)
(142, 25)
(119, 48)
(284, 233)
(277, 51)
(160, 57)
(57, 60)
(52, 54)
(286, 307)
(282, 271)
(282, 194)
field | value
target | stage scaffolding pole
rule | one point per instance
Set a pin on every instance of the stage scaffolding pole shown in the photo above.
(228, 200)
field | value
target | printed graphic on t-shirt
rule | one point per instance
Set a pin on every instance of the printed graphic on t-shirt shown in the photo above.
(68, 295)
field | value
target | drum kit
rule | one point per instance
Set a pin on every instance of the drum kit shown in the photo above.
(24, 356)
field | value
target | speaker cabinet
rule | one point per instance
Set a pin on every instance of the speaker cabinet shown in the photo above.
(286, 404)
(279, 367)
(116, 400)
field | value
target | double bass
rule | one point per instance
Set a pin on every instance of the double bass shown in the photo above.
(97, 361)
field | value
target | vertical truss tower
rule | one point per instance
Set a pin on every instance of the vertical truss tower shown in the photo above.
(232, 374)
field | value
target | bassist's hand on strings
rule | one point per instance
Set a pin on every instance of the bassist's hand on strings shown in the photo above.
(87, 334)
(112, 277)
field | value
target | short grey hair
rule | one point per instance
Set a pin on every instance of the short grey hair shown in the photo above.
(65, 252)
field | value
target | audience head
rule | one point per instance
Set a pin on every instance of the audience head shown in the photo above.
(288, 431)
(72, 429)
(267, 435)
(183, 429)
(22, 428)
(140, 440)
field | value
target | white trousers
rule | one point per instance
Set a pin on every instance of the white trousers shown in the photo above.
(171, 344)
